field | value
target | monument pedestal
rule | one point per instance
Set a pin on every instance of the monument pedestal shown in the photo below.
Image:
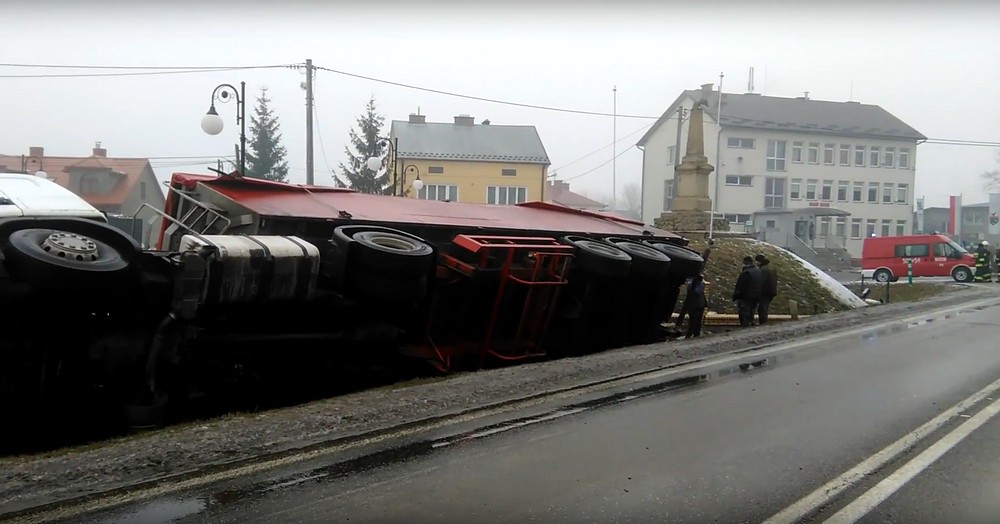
(689, 221)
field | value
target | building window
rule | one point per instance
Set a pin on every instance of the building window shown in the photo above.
(874, 155)
(889, 158)
(811, 188)
(797, 152)
(904, 158)
(842, 191)
(795, 189)
(733, 218)
(841, 230)
(845, 154)
(859, 156)
(887, 190)
(886, 227)
(873, 192)
(739, 180)
(508, 172)
(740, 143)
(827, 190)
(668, 193)
(870, 225)
(859, 189)
(438, 192)
(774, 192)
(828, 154)
(855, 228)
(824, 227)
(900, 228)
(435, 170)
(771, 224)
(813, 152)
(671, 152)
(89, 185)
(903, 193)
(776, 155)
(142, 191)
(506, 195)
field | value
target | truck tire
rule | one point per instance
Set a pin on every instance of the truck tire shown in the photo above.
(55, 258)
(647, 262)
(882, 275)
(962, 274)
(684, 263)
(380, 249)
(600, 258)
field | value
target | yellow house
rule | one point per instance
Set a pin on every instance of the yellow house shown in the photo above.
(465, 162)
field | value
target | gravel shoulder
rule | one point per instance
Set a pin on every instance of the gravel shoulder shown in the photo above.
(34, 480)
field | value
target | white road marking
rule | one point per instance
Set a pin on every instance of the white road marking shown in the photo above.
(875, 496)
(831, 489)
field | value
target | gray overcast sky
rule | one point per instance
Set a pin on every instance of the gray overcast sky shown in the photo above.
(936, 68)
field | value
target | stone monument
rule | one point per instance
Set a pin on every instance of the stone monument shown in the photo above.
(692, 206)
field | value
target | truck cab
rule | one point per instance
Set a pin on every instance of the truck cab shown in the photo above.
(31, 196)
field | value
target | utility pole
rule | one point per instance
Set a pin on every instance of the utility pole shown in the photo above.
(309, 121)
(614, 153)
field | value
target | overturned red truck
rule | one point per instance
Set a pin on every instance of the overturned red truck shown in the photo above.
(250, 277)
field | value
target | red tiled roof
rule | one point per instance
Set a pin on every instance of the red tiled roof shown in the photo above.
(560, 194)
(130, 170)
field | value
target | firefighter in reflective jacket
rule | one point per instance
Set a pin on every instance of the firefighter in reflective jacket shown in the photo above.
(983, 262)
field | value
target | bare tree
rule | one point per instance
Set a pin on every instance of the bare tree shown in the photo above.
(631, 198)
(991, 179)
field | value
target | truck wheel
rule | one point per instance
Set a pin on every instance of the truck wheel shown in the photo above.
(882, 275)
(961, 274)
(646, 261)
(599, 257)
(384, 249)
(684, 263)
(50, 257)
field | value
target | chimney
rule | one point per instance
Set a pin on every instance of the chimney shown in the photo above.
(706, 90)
(100, 151)
(36, 151)
(417, 119)
(464, 120)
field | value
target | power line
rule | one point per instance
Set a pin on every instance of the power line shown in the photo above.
(147, 73)
(595, 168)
(69, 66)
(322, 148)
(481, 99)
(594, 152)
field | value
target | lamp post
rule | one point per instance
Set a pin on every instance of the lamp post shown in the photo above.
(417, 184)
(375, 161)
(26, 160)
(212, 123)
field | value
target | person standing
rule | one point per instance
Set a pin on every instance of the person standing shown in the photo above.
(747, 292)
(769, 287)
(982, 255)
(695, 305)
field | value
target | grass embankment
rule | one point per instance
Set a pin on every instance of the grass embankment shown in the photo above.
(901, 291)
(795, 282)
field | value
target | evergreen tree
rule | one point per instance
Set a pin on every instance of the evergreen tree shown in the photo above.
(365, 142)
(267, 160)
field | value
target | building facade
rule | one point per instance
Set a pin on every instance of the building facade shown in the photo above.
(465, 162)
(789, 153)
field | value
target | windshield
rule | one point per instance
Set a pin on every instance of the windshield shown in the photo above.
(957, 247)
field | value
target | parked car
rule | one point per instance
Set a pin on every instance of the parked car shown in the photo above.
(884, 259)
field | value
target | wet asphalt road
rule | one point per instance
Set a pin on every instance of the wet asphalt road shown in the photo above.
(736, 448)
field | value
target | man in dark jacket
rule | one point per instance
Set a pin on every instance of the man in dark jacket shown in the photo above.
(747, 292)
(769, 287)
(695, 305)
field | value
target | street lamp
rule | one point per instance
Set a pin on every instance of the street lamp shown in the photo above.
(26, 160)
(375, 161)
(212, 123)
(417, 184)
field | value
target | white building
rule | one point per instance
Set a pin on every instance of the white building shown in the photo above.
(790, 153)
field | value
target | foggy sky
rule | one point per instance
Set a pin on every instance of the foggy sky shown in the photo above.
(936, 68)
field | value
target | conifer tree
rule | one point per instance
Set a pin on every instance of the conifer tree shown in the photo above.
(267, 159)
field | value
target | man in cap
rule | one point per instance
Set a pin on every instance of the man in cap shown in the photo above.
(769, 287)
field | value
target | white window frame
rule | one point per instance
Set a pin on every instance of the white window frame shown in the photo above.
(740, 179)
(858, 192)
(888, 193)
(886, 227)
(777, 199)
(796, 152)
(874, 156)
(450, 192)
(668, 193)
(795, 189)
(902, 193)
(812, 188)
(736, 142)
(826, 192)
(671, 155)
(843, 190)
(871, 227)
(494, 193)
(904, 158)
(856, 227)
(900, 228)
(860, 154)
(845, 155)
(813, 157)
(889, 157)
(829, 156)
(878, 191)
(776, 155)
(840, 229)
